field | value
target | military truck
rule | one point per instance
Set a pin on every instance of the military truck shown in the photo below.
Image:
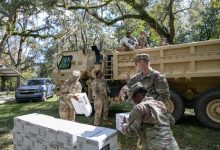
(192, 70)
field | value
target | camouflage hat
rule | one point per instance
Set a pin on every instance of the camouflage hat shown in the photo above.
(97, 71)
(76, 74)
(135, 87)
(142, 56)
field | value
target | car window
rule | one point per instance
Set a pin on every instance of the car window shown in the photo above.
(35, 82)
(48, 81)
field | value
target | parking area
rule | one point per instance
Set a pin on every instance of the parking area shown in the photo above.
(6, 97)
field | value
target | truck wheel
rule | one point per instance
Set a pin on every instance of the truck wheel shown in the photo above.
(207, 108)
(175, 105)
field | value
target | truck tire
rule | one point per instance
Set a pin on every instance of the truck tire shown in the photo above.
(207, 108)
(175, 105)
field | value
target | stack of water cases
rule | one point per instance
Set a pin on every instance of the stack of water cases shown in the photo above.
(42, 132)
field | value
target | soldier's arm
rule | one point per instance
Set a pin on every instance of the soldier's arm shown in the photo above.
(94, 89)
(133, 80)
(132, 128)
(107, 87)
(64, 89)
(77, 90)
(162, 88)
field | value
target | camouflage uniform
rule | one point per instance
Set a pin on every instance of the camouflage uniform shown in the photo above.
(155, 82)
(150, 121)
(70, 87)
(99, 92)
(142, 41)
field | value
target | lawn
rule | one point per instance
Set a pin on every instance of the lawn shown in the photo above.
(189, 134)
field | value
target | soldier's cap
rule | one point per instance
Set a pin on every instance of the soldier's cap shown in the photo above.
(97, 71)
(141, 56)
(76, 74)
(136, 87)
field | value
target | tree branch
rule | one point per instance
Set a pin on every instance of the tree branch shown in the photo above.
(181, 10)
(89, 7)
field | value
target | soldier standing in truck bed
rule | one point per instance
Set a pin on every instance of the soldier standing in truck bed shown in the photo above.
(155, 82)
(68, 90)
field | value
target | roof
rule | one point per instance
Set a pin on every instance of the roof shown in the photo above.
(8, 72)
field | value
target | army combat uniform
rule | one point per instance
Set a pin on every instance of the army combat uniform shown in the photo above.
(142, 41)
(99, 92)
(70, 86)
(155, 83)
(150, 121)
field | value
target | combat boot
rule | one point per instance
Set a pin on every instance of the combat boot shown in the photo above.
(107, 123)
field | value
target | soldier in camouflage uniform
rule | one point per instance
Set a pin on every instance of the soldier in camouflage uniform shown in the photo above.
(99, 93)
(150, 121)
(130, 37)
(142, 40)
(68, 90)
(155, 82)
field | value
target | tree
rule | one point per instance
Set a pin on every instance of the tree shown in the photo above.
(113, 11)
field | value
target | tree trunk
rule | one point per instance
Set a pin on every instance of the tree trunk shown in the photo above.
(3, 83)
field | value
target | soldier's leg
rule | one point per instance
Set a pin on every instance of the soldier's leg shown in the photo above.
(63, 110)
(105, 109)
(98, 104)
(139, 145)
(71, 113)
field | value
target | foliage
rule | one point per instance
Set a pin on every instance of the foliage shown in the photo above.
(45, 67)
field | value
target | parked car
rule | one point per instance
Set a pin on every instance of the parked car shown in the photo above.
(38, 89)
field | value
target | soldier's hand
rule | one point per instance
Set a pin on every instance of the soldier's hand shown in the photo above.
(124, 120)
(75, 97)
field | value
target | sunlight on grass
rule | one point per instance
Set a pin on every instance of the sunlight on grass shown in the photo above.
(188, 131)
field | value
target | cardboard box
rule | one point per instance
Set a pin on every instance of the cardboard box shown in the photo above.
(119, 119)
(128, 42)
(67, 137)
(106, 139)
(82, 106)
(48, 133)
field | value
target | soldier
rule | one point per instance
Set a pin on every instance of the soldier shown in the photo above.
(163, 42)
(142, 40)
(150, 121)
(99, 93)
(155, 82)
(68, 90)
(131, 41)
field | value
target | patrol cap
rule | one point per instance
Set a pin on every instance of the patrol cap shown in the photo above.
(75, 74)
(135, 87)
(142, 56)
(97, 71)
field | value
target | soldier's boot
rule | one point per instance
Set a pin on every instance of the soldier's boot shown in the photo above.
(97, 120)
(96, 123)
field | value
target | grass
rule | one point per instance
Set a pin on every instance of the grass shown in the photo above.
(188, 132)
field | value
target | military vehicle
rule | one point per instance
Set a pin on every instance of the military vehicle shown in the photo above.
(192, 70)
